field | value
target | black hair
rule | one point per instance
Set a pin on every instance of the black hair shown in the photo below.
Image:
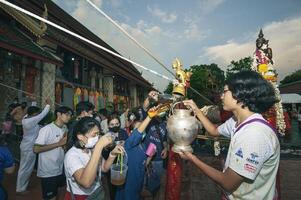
(84, 106)
(103, 112)
(33, 110)
(63, 110)
(23, 104)
(113, 116)
(252, 90)
(82, 127)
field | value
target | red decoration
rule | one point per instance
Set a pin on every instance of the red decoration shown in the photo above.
(174, 176)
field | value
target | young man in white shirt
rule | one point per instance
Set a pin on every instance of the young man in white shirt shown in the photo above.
(30, 132)
(49, 144)
(254, 152)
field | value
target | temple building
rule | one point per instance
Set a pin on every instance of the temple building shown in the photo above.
(38, 59)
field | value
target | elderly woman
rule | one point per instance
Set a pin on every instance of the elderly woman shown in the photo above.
(84, 163)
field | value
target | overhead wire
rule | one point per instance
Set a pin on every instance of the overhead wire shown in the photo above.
(141, 46)
(81, 38)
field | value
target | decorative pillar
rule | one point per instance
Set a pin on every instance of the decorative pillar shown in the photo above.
(174, 176)
(108, 87)
(48, 83)
(133, 93)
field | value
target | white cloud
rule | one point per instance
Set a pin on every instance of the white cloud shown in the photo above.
(192, 30)
(285, 41)
(163, 16)
(207, 6)
(115, 3)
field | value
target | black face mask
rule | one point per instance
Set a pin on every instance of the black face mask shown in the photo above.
(115, 129)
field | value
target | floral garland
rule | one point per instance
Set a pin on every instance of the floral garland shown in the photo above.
(280, 123)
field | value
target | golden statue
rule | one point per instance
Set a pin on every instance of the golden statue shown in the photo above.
(182, 81)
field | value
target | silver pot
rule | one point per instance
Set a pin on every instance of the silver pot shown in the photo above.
(182, 129)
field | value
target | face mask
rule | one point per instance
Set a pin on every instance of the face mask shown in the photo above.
(115, 129)
(91, 142)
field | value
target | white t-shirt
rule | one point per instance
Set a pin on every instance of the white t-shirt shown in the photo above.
(253, 153)
(31, 129)
(76, 159)
(50, 162)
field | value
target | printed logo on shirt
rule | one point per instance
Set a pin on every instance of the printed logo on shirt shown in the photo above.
(253, 158)
(239, 153)
(250, 168)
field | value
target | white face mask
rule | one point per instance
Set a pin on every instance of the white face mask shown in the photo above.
(91, 142)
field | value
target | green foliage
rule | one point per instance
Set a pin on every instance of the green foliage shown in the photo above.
(169, 88)
(206, 79)
(295, 76)
(237, 66)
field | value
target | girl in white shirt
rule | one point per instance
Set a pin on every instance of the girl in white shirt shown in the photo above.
(84, 163)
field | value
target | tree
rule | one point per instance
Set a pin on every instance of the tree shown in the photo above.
(237, 66)
(169, 88)
(295, 76)
(207, 80)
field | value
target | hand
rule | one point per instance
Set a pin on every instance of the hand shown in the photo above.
(186, 155)
(63, 141)
(152, 112)
(48, 101)
(164, 153)
(118, 150)
(191, 104)
(104, 140)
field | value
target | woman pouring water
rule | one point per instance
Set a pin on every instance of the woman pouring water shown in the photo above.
(84, 163)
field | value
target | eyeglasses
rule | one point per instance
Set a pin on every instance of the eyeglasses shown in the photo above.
(224, 91)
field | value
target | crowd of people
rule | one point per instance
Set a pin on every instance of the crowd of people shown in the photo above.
(78, 149)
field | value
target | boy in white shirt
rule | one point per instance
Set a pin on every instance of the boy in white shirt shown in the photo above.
(30, 132)
(254, 152)
(49, 145)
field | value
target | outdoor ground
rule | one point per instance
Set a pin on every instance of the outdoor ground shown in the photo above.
(195, 185)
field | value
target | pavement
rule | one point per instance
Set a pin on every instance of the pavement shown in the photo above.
(195, 185)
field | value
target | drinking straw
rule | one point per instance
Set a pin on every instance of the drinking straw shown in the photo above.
(118, 159)
(121, 163)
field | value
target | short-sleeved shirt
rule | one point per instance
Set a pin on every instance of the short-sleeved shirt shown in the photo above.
(6, 160)
(76, 159)
(253, 153)
(51, 162)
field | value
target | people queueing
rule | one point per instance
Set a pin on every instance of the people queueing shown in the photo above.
(84, 162)
(253, 156)
(49, 144)
(137, 158)
(7, 166)
(31, 128)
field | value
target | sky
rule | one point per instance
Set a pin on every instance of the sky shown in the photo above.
(195, 31)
